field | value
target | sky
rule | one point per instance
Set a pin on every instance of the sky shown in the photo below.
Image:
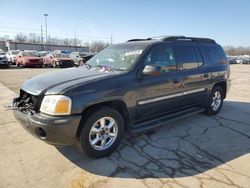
(226, 21)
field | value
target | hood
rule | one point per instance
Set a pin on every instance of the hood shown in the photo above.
(55, 82)
(32, 58)
(62, 58)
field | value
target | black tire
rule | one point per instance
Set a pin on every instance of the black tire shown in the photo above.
(210, 108)
(91, 120)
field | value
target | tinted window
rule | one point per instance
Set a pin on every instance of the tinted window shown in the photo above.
(187, 56)
(162, 56)
(216, 54)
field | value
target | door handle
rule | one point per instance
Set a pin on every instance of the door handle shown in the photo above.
(177, 81)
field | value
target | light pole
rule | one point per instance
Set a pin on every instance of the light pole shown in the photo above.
(45, 15)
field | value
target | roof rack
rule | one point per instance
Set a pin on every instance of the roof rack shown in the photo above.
(152, 38)
(183, 38)
(133, 40)
(176, 38)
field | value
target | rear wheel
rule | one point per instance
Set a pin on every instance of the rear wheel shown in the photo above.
(102, 132)
(215, 101)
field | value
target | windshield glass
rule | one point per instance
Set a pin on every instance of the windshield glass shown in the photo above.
(60, 55)
(120, 57)
(15, 52)
(30, 54)
(42, 54)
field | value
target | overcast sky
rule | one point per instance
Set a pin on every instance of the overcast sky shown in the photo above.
(226, 21)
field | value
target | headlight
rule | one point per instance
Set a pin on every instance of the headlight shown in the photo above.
(56, 105)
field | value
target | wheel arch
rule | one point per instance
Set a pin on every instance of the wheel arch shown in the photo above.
(118, 105)
(223, 85)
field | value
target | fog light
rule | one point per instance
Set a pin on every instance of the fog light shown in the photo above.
(41, 133)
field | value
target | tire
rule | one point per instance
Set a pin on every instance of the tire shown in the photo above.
(93, 127)
(215, 101)
(54, 64)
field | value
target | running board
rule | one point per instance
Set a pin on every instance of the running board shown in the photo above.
(163, 120)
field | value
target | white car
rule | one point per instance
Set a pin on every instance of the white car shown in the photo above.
(11, 56)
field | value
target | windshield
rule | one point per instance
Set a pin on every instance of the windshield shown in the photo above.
(119, 57)
(42, 54)
(60, 55)
(30, 54)
(15, 52)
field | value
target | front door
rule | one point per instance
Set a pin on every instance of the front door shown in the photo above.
(157, 95)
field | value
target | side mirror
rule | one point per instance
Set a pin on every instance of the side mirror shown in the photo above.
(152, 70)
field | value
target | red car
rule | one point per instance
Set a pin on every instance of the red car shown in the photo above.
(57, 58)
(28, 59)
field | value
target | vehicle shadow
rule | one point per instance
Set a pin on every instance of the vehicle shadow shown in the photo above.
(183, 148)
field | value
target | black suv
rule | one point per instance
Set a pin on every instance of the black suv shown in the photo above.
(136, 85)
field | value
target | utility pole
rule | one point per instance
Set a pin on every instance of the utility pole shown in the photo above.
(42, 37)
(46, 34)
(75, 39)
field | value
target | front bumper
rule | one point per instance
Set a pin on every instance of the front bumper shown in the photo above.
(4, 63)
(229, 83)
(55, 130)
(35, 64)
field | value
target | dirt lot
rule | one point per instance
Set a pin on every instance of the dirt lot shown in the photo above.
(198, 151)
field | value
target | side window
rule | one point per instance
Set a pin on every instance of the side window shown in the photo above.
(199, 57)
(162, 56)
(187, 56)
(216, 54)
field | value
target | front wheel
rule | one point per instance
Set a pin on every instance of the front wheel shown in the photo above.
(102, 132)
(215, 101)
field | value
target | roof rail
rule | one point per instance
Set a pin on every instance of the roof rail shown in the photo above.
(183, 38)
(133, 40)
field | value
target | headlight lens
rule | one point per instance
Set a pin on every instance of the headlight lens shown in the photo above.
(56, 105)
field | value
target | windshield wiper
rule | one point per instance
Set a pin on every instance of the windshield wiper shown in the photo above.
(106, 67)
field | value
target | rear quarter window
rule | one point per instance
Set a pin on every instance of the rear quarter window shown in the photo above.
(216, 54)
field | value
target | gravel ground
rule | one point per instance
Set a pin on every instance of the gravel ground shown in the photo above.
(198, 151)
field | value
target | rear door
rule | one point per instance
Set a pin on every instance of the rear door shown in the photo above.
(194, 71)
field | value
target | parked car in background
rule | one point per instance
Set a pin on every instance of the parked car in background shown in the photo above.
(3, 60)
(80, 58)
(11, 56)
(28, 59)
(88, 57)
(58, 58)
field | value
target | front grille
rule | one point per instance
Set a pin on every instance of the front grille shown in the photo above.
(66, 63)
(27, 103)
(34, 61)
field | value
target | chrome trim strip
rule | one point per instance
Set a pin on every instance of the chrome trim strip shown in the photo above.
(159, 98)
(193, 91)
(170, 96)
